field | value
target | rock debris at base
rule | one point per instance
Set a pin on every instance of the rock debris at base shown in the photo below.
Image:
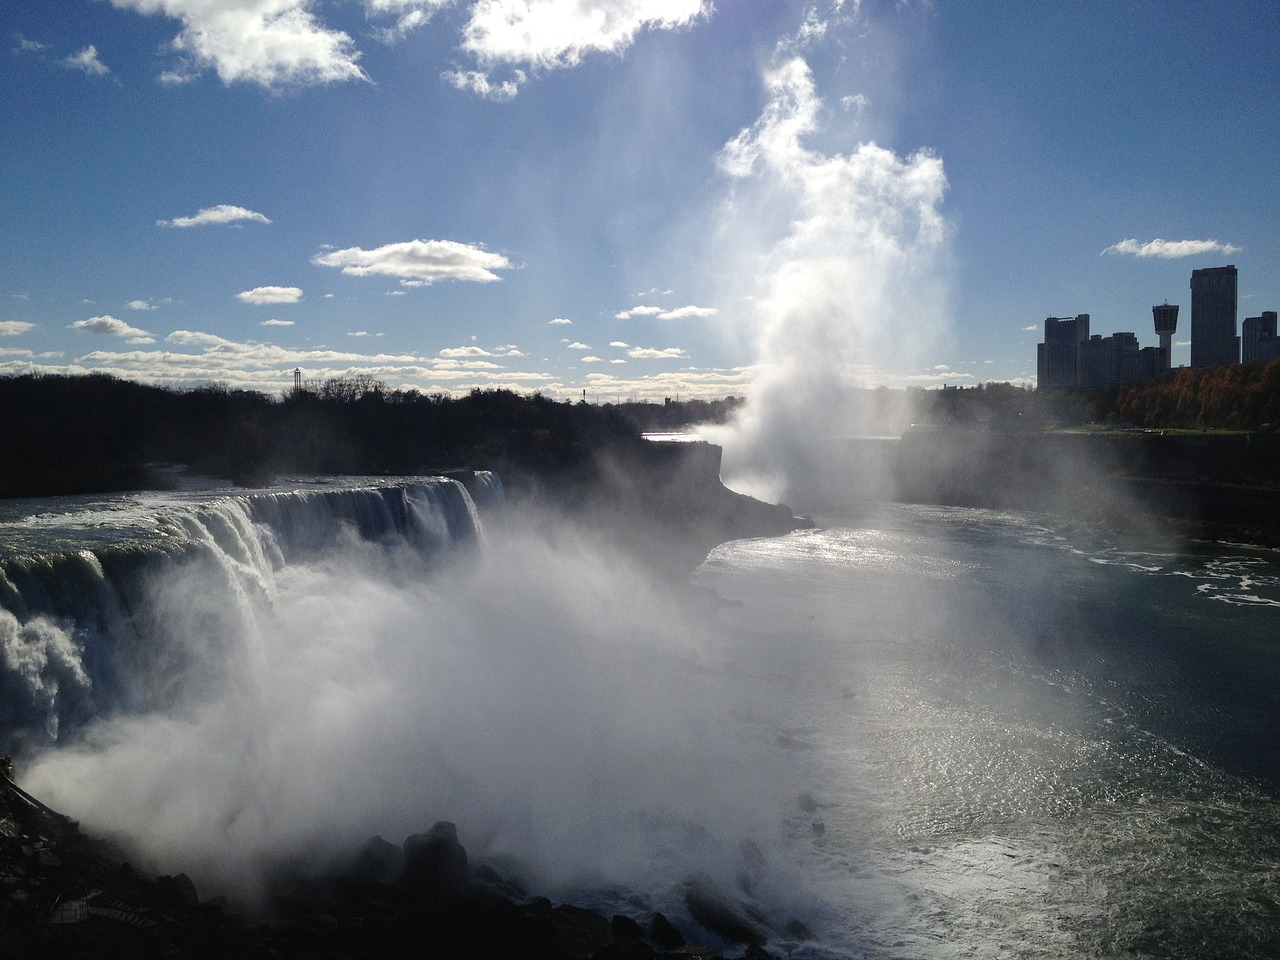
(64, 894)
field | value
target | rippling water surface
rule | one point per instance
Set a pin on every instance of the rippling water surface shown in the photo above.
(1008, 741)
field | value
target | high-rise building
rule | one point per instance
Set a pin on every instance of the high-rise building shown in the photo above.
(1213, 317)
(1058, 358)
(1258, 338)
(1166, 319)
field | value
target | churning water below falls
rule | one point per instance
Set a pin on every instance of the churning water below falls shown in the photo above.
(920, 732)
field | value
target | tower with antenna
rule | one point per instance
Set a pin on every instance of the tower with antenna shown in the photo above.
(1166, 318)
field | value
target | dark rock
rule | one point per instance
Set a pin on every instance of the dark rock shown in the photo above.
(435, 863)
(377, 861)
(799, 931)
(819, 828)
(664, 934)
(180, 890)
(625, 950)
(579, 932)
(625, 928)
(721, 917)
(806, 802)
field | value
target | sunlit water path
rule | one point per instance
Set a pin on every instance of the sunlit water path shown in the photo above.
(1020, 744)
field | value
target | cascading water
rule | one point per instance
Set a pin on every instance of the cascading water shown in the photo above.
(80, 632)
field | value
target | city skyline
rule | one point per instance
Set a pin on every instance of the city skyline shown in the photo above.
(628, 197)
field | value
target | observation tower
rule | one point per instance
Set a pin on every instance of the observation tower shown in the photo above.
(1166, 318)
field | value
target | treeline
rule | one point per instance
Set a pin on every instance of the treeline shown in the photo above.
(1243, 396)
(95, 433)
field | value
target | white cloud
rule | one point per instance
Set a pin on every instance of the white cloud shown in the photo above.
(576, 345)
(640, 311)
(1170, 249)
(681, 313)
(87, 60)
(1032, 327)
(418, 262)
(271, 43)
(619, 343)
(140, 305)
(109, 326)
(456, 352)
(260, 295)
(12, 328)
(649, 353)
(409, 15)
(28, 46)
(559, 33)
(222, 213)
(591, 358)
(276, 323)
(479, 83)
(559, 322)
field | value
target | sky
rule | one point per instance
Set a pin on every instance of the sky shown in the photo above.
(627, 198)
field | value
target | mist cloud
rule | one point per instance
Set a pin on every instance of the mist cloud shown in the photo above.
(850, 284)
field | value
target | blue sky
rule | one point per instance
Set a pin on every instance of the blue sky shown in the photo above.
(636, 198)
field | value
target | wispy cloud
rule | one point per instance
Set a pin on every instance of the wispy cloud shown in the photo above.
(470, 351)
(87, 60)
(479, 83)
(559, 322)
(222, 213)
(28, 46)
(418, 262)
(260, 295)
(276, 323)
(1170, 249)
(12, 328)
(109, 326)
(140, 305)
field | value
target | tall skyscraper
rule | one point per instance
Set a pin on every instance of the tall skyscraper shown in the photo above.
(1058, 358)
(1166, 318)
(1259, 340)
(1214, 340)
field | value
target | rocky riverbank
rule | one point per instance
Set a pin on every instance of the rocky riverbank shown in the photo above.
(67, 895)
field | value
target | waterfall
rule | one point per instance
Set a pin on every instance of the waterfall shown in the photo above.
(83, 634)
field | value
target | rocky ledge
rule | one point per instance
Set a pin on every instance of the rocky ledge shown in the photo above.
(64, 894)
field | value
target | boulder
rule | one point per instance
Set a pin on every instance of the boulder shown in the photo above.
(377, 861)
(435, 863)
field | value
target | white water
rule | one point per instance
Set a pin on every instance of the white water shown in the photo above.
(1016, 742)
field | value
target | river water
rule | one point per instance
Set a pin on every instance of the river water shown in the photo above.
(917, 731)
(1021, 741)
